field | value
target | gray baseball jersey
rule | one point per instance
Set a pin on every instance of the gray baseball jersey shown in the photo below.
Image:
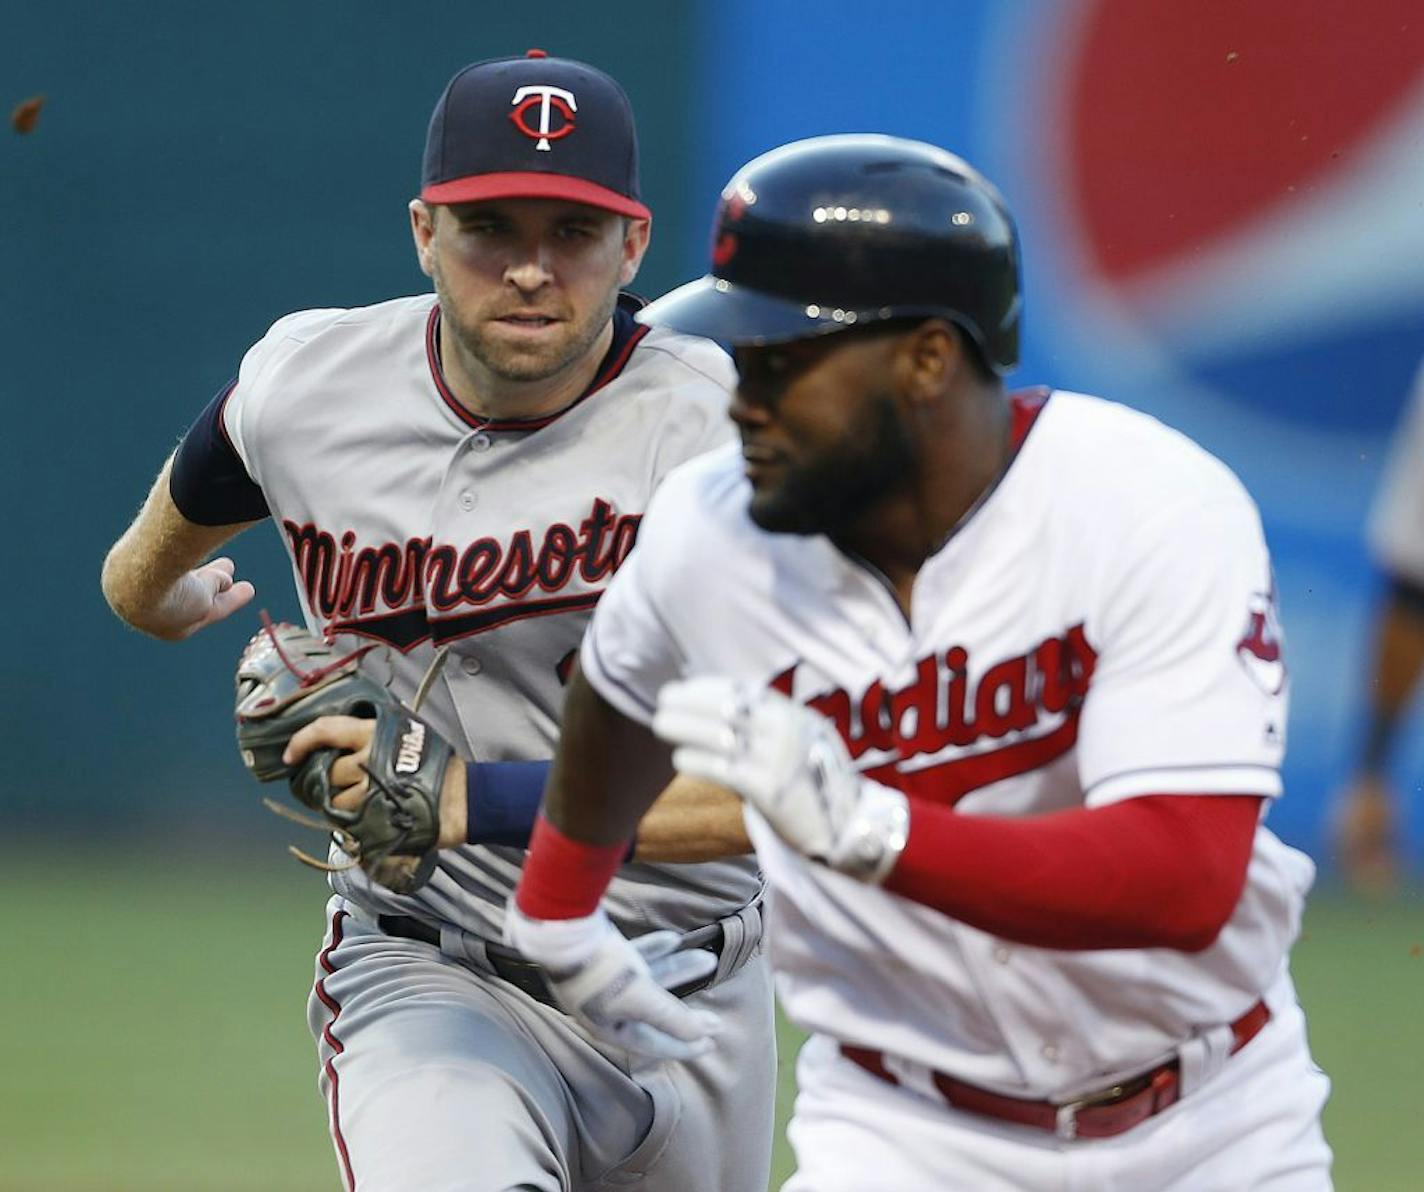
(416, 524)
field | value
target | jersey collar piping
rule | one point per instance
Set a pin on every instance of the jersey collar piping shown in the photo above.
(627, 333)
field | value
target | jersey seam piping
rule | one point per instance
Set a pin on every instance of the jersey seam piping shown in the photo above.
(687, 364)
(1268, 768)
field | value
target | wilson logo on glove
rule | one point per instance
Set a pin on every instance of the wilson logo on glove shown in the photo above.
(412, 745)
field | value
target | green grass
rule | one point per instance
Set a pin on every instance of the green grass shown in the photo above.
(1359, 968)
(152, 1034)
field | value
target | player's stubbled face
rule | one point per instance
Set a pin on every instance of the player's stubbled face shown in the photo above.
(822, 436)
(527, 284)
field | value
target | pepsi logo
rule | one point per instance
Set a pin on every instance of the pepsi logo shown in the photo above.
(1241, 185)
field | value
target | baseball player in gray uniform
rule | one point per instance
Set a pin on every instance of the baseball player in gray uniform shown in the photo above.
(463, 472)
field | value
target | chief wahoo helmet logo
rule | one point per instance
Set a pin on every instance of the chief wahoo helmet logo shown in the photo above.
(547, 100)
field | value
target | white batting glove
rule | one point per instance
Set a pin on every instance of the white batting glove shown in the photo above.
(789, 763)
(617, 988)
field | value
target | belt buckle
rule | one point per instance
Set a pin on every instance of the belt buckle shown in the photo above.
(1065, 1123)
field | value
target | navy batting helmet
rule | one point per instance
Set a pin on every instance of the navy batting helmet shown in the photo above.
(835, 232)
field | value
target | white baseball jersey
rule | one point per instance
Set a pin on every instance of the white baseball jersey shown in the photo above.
(1397, 519)
(413, 523)
(1101, 625)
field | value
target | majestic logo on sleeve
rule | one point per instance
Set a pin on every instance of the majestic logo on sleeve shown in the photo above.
(547, 100)
(943, 712)
(407, 593)
(1260, 646)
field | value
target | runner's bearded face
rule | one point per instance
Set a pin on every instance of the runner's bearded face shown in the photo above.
(823, 439)
(528, 285)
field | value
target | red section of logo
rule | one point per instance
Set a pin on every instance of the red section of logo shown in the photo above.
(942, 710)
(1258, 639)
(520, 116)
(1260, 646)
(1186, 120)
(726, 245)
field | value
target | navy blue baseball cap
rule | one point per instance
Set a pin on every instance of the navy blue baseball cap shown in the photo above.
(533, 127)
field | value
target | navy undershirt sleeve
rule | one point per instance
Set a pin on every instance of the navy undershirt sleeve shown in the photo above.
(502, 801)
(208, 483)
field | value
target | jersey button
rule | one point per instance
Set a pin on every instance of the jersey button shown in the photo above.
(1001, 954)
(471, 665)
(1050, 1053)
(466, 500)
(480, 442)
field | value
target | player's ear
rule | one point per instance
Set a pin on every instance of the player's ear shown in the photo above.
(636, 234)
(928, 359)
(422, 229)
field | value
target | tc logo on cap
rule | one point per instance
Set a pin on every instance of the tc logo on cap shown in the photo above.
(546, 98)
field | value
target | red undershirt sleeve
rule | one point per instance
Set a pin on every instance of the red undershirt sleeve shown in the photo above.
(1156, 871)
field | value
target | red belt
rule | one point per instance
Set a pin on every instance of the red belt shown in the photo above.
(1101, 1114)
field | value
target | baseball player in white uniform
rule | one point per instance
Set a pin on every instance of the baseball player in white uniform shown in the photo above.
(1367, 811)
(1000, 682)
(465, 471)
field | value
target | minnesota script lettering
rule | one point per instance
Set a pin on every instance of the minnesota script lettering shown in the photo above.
(351, 585)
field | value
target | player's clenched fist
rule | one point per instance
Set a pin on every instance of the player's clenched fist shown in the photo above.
(375, 773)
(204, 595)
(789, 763)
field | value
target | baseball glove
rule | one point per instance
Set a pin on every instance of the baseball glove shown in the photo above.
(286, 678)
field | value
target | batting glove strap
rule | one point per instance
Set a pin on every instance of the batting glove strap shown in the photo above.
(870, 845)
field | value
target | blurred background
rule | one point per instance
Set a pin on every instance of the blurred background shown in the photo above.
(1222, 208)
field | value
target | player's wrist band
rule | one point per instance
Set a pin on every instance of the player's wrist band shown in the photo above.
(502, 801)
(565, 878)
(876, 834)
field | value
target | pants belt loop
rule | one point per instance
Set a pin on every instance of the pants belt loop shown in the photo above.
(741, 936)
(1204, 1055)
(462, 945)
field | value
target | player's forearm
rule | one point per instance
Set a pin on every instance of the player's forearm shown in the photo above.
(607, 770)
(605, 776)
(1398, 664)
(143, 590)
(1159, 871)
(692, 821)
(144, 572)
